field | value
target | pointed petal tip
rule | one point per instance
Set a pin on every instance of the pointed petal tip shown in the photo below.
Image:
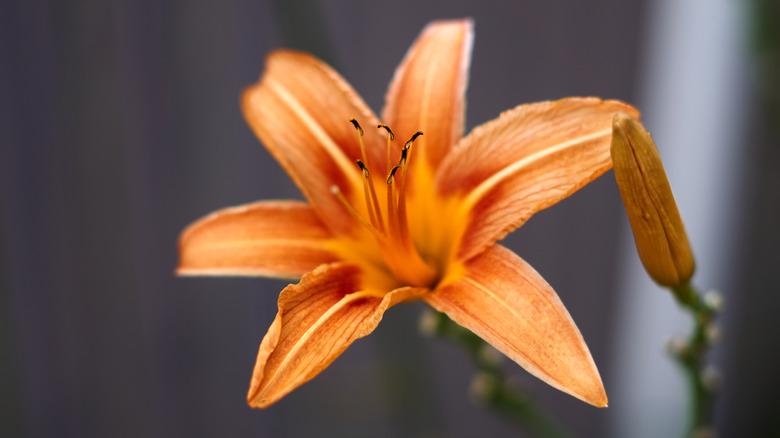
(254, 400)
(600, 401)
(586, 387)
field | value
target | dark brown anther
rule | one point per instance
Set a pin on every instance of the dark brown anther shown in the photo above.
(357, 126)
(363, 168)
(387, 128)
(408, 144)
(392, 174)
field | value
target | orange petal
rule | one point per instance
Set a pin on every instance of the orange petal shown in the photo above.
(526, 160)
(272, 238)
(300, 110)
(428, 90)
(507, 303)
(318, 319)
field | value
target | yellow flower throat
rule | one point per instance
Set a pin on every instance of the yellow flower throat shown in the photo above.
(387, 221)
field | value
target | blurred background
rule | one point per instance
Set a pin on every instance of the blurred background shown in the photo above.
(120, 125)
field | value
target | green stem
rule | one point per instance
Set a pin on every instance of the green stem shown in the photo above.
(691, 356)
(496, 393)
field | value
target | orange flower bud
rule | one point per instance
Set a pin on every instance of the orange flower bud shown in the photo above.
(658, 230)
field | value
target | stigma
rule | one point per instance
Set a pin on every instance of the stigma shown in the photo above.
(387, 214)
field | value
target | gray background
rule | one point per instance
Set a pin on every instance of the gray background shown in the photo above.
(119, 125)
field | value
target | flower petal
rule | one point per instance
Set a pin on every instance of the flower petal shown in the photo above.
(271, 238)
(318, 319)
(300, 110)
(428, 90)
(507, 303)
(526, 160)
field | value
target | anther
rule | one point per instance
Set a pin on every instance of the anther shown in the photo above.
(363, 168)
(404, 152)
(390, 138)
(392, 174)
(360, 138)
(372, 203)
(408, 144)
(387, 128)
(414, 137)
(356, 125)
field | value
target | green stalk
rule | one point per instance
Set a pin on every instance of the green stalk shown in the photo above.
(691, 356)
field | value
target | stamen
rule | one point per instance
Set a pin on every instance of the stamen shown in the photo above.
(393, 219)
(360, 138)
(366, 191)
(407, 147)
(363, 168)
(372, 203)
(356, 125)
(405, 158)
(404, 163)
(390, 138)
(387, 128)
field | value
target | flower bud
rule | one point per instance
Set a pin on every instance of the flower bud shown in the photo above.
(655, 221)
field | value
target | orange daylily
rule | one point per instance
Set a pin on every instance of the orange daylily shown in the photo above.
(414, 220)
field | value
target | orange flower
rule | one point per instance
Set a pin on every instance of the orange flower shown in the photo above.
(414, 220)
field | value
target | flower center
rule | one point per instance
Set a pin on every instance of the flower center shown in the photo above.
(387, 220)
